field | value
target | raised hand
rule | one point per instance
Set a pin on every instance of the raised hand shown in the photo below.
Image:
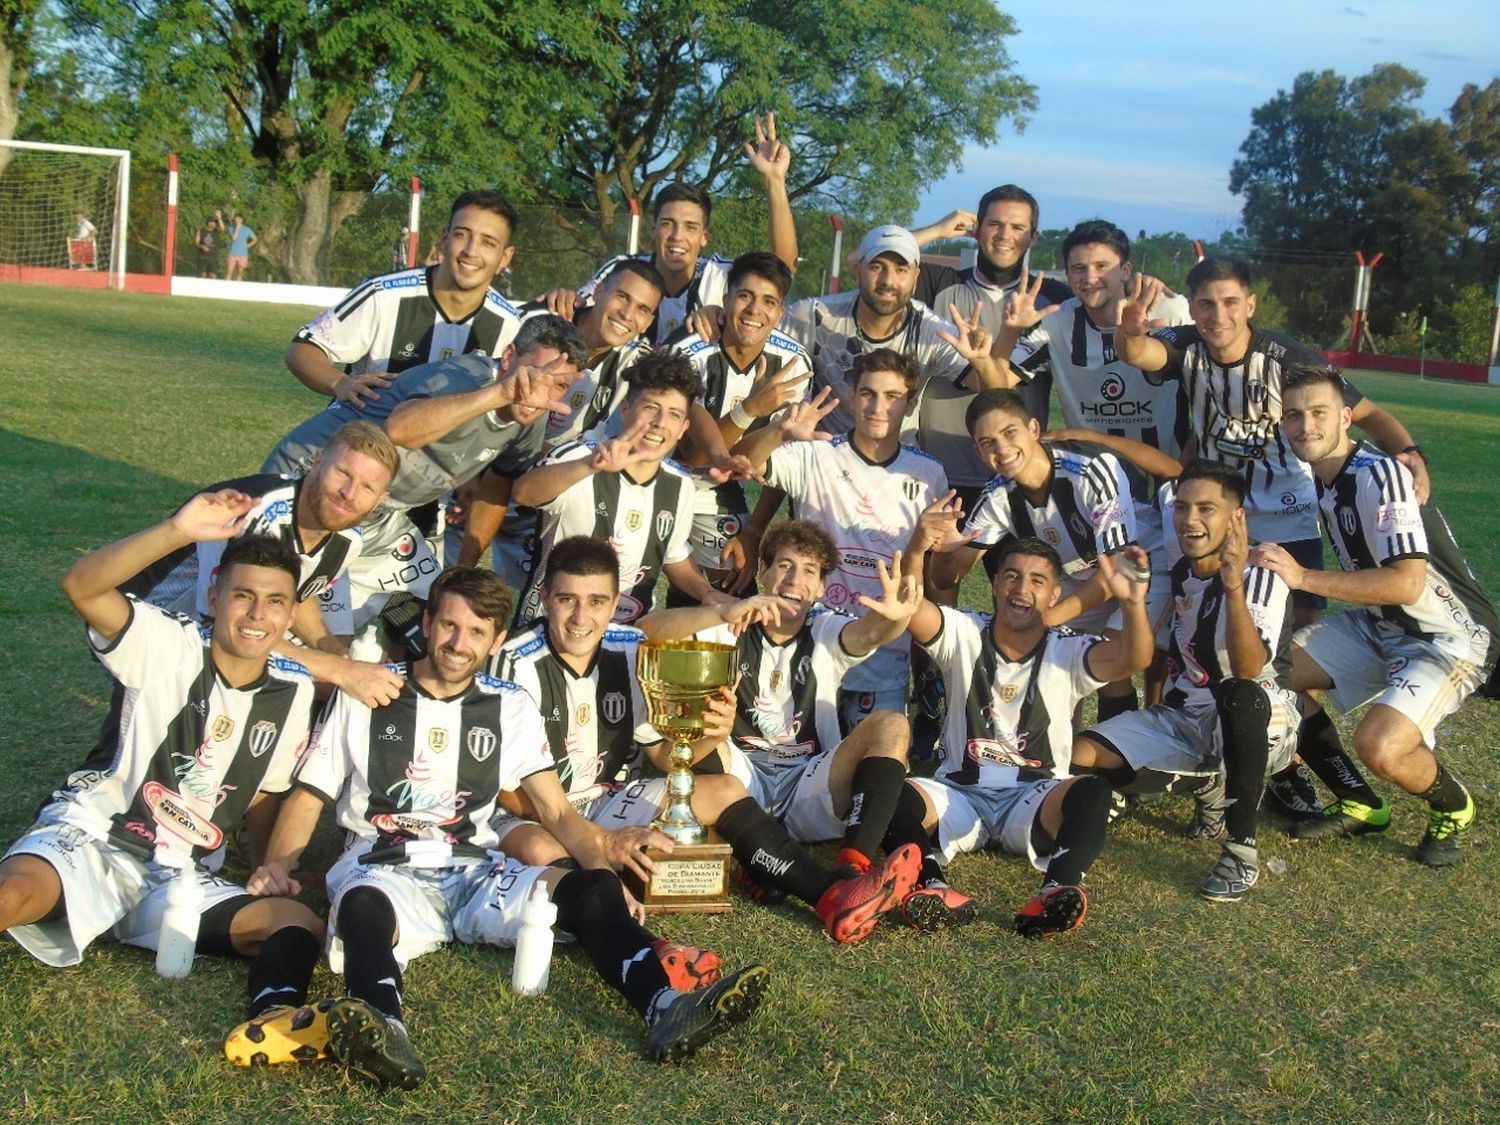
(773, 390)
(762, 609)
(1133, 312)
(938, 525)
(800, 423)
(957, 223)
(1019, 313)
(563, 302)
(535, 387)
(212, 516)
(1130, 581)
(767, 155)
(900, 596)
(618, 454)
(1235, 552)
(972, 340)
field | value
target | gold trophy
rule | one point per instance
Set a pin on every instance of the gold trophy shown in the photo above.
(677, 678)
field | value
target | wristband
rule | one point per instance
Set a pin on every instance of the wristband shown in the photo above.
(1419, 451)
(740, 417)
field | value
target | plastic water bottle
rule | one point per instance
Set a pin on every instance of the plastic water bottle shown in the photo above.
(366, 646)
(179, 925)
(534, 947)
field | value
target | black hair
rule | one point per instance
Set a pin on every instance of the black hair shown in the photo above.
(582, 556)
(992, 399)
(1092, 231)
(665, 369)
(1218, 269)
(680, 192)
(1032, 547)
(548, 330)
(1232, 481)
(760, 263)
(260, 550)
(1008, 193)
(486, 200)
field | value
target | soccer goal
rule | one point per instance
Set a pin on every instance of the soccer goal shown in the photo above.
(64, 207)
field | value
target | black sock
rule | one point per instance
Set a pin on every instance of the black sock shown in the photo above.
(1112, 705)
(876, 787)
(283, 969)
(1318, 744)
(1117, 776)
(1080, 835)
(367, 927)
(906, 828)
(1446, 793)
(763, 847)
(591, 906)
(1245, 720)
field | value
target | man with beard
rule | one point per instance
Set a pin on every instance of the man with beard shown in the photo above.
(416, 783)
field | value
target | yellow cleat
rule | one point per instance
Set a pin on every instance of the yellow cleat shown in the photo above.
(281, 1035)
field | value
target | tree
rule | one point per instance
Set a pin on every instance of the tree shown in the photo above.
(17, 25)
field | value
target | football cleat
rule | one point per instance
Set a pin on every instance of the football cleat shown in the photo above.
(690, 1019)
(282, 1034)
(688, 969)
(851, 907)
(1056, 909)
(1290, 794)
(1446, 833)
(852, 860)
(371, 1043)
(766, 894)
(1208, 811)
(1345, 817)
(1235, 873)
(935, 905)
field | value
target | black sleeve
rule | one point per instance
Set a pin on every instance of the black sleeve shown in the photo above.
(932, 279)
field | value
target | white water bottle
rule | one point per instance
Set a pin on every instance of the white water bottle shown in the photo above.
(534, 947)
(366, 646)
(179, 925)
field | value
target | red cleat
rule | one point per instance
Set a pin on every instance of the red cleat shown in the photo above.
(687, 969)
(851, 908)
(936, 906)
(1054, 910)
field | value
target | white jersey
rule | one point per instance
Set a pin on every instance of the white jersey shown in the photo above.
(1198, 654)
(1097, 390)
(646, 524)
(871, 511)
(720, 510)
(1009, 722)
(182, 754)
(391, 322)
(1372, 517)
(594, 721)
(180, 582)
(1088, 509)
(787, 705)
(418, 778)
(596, 394)
(709, 285)
(828, 329)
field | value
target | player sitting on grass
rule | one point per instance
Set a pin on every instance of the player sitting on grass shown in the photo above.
(1228, 712)
(1012, 684)
(1421, 636)
(416, 783)
(582, 673)
(205, 726)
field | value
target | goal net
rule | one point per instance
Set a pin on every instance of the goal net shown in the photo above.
(63, 207)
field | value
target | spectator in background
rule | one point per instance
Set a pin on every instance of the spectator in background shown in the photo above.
(241, 238)
(83, 246)
(207, 243)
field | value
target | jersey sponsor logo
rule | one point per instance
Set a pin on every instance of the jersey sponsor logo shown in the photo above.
(1006, 753)
(1247, 450)
(1396, 517)
(1288, 499)
(437, 739)
(405, 548)
(1080, 526)
(860, 563)
(581, 714)
(389, 734)
(222, 728)
(613, 706)
(665, 521)
(276, 510)
(1113, 388)
(481, 742)
(1107, 514)
(409, 349)
(407, 824)
(262, 737)
(174, 817)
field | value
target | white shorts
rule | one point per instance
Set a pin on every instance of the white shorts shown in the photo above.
(636, 804)
(1184, 740)
(1370, 660)
(105, 888)
(971, 818)
(479, 902)
(796, 792)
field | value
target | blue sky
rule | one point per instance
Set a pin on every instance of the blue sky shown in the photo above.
(1142, 108)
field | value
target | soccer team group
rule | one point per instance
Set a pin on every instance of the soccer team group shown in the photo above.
(591, 442)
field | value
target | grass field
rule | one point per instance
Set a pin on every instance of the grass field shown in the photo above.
(1356, 985)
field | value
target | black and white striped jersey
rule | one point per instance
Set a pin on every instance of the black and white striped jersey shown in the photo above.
(647, 524)
(1236, 413)
(1099, 391)
(1198, 652)
(1088, 510)
(1372, 517)
(180, 581)
(709, 286)
(390, 322)
(829, 330)
(419, 777)
(941, 427)
(596, 394)
(1009, 722)
(871, 509)
(595, 721)
(787, 707)
(182, 754)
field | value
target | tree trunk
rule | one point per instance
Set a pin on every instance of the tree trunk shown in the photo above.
(309, 229)
(12, 78)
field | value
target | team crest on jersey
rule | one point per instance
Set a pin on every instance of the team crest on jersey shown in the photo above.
(804, 670)
(664, 522)
(777, 679)
(1080, 526)
(262, 737)
(912, 488)
(1255, 391)
(1008, 693)
(613, 706)
(1348, 520)
(437, 740)
(581, 715)
(317, 587)
(481, 742)
(1052, 535)
(222, 728)
(633, 520)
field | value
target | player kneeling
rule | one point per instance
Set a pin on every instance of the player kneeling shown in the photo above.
(416, 784)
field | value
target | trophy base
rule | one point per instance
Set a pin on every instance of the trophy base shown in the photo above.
(694, 879)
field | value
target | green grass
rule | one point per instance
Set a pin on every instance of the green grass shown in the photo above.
(1356, 986)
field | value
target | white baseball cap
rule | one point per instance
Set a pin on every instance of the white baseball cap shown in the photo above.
(890, 239)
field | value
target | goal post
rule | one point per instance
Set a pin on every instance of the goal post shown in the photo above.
(45, 187)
